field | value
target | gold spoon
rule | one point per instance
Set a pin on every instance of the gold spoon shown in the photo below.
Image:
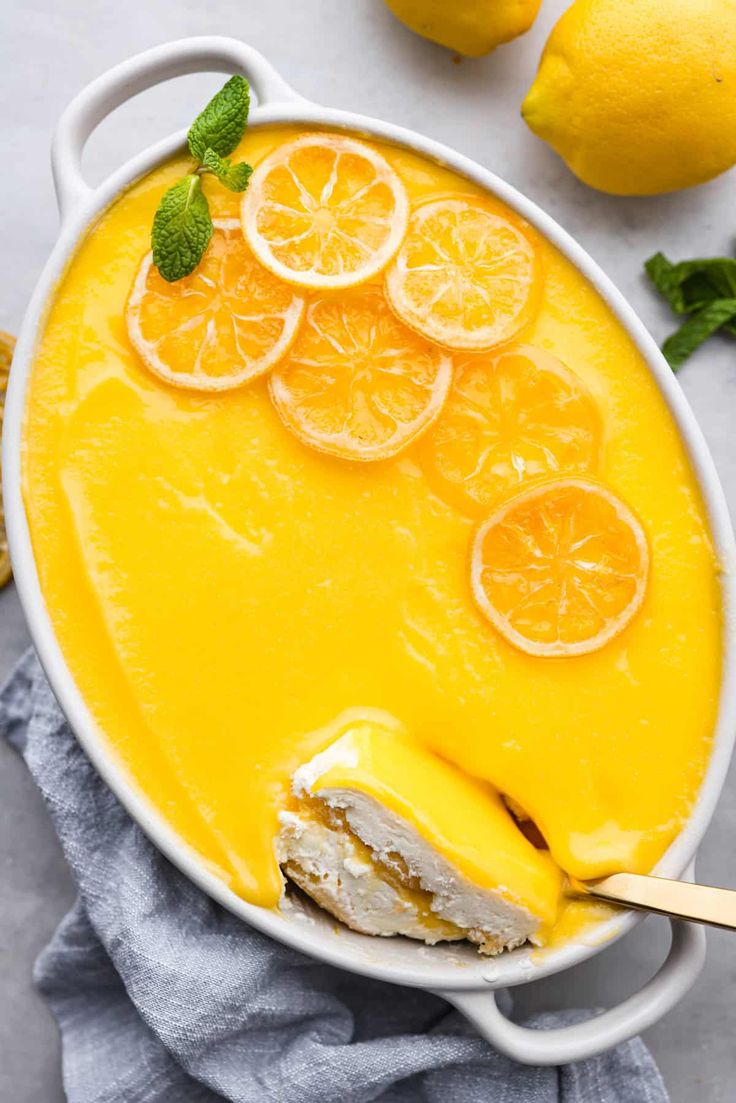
(678, 899)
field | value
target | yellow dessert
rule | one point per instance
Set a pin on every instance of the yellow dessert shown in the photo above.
(226, 581)
(377, 838)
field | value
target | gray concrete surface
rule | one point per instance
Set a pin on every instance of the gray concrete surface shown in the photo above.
(353, 55)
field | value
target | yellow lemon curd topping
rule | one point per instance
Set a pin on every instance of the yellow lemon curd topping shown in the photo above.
(221, 592)
(460, 816)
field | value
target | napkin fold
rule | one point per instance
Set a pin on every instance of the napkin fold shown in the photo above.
(163, 996)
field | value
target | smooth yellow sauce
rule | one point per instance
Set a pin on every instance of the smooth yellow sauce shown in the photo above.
(221, 592)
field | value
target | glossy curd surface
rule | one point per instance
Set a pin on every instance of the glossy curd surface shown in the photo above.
(222, 592)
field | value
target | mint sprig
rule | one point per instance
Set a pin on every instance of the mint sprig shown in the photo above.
(703, 289)
(182, 226)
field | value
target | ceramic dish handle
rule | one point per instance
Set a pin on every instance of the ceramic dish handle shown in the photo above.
(174, 59)
(563, 1044)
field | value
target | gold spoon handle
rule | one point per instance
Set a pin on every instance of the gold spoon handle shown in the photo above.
(679, 899)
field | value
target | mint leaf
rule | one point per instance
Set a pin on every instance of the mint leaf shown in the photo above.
(222, 123)
(681, 344)
(234, 177)
(692, 284)
(182, 229)
(705, 289)
(705, 280)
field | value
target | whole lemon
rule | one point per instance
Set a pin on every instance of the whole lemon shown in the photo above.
(639, 96)
(471, 27)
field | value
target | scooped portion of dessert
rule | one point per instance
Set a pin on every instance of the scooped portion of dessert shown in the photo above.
(391, 839)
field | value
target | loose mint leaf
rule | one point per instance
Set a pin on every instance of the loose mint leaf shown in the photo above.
(222, 123)
(234, 177)
(697, 329)
(705, 289)
(182, 229)
(702, 281)
(692, 284)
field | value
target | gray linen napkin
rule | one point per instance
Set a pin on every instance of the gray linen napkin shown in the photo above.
(162, 996)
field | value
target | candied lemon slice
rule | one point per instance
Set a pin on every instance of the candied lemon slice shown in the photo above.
(511, 417)
(227, 323)
(561, 568)
(324, 211)
(466, 275)
(357, 383)
(7, 346)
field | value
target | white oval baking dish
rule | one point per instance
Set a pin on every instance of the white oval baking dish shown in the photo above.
(460, 976)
